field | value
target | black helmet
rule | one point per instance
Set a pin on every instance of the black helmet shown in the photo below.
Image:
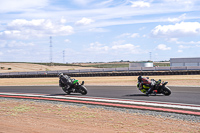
(140, 78)
(59, 74)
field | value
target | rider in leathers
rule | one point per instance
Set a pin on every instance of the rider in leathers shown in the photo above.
(65, 81)
(144, 81)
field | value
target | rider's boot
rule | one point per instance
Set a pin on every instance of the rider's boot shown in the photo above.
(149, 92)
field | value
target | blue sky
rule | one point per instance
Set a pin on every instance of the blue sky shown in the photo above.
(99, 30)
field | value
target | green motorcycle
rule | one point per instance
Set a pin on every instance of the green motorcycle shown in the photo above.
(76, 88)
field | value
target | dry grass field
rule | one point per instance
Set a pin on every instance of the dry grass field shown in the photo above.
(27, 67)
(189, 80)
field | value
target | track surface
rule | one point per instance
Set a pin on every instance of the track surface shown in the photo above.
(187, 95)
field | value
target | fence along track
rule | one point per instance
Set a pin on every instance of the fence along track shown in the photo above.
(99, 74)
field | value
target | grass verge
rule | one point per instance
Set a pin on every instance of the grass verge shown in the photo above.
(189, 80)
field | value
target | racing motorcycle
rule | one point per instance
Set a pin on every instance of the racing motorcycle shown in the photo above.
(77, 88)
(159, 88)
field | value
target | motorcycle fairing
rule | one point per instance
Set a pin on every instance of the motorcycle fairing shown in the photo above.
(145, 88)
(75, 81)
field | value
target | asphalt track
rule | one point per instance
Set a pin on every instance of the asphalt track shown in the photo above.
(180, 94)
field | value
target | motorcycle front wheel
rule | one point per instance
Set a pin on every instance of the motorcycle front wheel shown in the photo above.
(83, 90)
(166, 91)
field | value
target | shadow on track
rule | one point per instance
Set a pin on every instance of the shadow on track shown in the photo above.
(64, 94)
(134, 95)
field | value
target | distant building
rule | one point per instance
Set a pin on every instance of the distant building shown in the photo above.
(185, 61)
(141, 64)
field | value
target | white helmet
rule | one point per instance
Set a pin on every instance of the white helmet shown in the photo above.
(59, 74)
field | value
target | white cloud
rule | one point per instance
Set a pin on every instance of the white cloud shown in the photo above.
(180, 18)
(2, 43)
(191, 42)
(63, 20)
(118, 42)
(100, 3)
(15, 51)
(180, 51)
(24, 29)
(15, 44)
(67, 41)
(124, 35)
(182, 42)
(140, 4)
(97, 48)
(172, 39)
(1, 53)
(144, 35)
(107, 2)
(127, 48)
(163, 47)
(83, 2)
(180, 1)
(134, 35)
(142, 28)
(178, 30)
(188, 46)
(19, 44)
(184, 46)
(22, 5)
(98, 30)
(8, 34)
(84, 21)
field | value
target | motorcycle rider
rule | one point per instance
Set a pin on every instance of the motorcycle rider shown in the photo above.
(65, 81)
(145, 81)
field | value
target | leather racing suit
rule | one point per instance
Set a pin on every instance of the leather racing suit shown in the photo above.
(145, 81)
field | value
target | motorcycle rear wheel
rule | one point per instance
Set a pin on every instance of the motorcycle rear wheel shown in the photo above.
(83, 90)
(166, 91)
